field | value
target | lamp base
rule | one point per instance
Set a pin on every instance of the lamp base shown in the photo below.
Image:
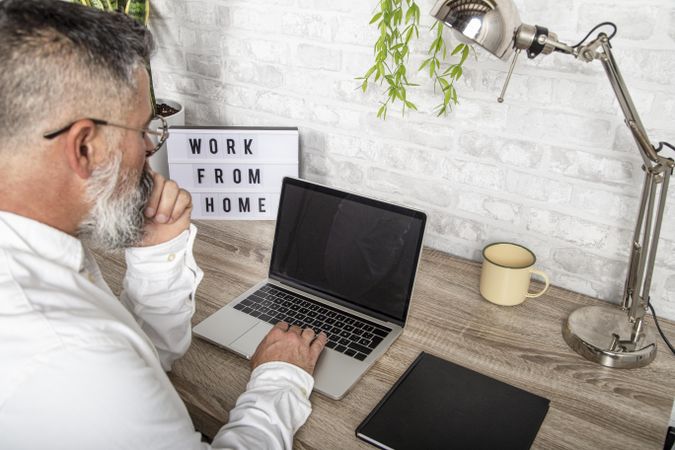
(592, 332)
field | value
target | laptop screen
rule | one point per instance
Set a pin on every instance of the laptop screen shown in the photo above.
(358, 251)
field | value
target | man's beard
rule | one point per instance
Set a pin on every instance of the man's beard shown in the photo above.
(116, 220)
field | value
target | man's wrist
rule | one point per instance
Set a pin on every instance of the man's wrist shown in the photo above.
(280, 372)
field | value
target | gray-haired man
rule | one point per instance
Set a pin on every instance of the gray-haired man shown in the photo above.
(78, 367)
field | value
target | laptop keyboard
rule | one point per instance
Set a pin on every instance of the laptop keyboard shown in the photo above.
(347, 333)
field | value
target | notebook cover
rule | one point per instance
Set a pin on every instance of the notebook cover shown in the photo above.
(438, 405)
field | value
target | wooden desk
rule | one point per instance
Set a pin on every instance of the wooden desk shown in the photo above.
(592, 407)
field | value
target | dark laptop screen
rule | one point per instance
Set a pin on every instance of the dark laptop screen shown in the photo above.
(359, 251)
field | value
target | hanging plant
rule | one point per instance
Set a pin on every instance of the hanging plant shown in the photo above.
(398, 23)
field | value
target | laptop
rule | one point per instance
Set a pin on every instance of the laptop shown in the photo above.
(341, 263)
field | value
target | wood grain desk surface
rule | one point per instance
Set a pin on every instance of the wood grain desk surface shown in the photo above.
(592, 407)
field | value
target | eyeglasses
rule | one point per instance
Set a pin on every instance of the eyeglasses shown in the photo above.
(162, 133)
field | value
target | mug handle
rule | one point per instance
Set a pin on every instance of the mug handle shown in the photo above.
(543, 275)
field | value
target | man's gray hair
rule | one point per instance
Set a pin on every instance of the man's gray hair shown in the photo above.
(61, 61)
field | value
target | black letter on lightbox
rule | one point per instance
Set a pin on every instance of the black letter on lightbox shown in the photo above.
(253, 176)
(244, 204)
(196, 146)
(230, 147)
(247, 146)
(208, 204)
(213, 146)
(219, 175)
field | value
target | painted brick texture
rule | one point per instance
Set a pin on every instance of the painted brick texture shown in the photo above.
(553, 167)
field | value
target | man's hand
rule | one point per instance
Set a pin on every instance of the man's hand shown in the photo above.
(167, 212)
(292, 345)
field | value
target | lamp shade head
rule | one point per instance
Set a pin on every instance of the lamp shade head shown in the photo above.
(492, 24)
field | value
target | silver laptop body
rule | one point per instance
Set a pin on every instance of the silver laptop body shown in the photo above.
(334, 251)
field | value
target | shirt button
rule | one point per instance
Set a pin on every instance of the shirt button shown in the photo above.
(171, 257)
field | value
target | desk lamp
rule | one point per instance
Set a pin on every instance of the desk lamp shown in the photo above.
(613, 337)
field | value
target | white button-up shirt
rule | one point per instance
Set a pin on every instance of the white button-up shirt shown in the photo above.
(80, 368)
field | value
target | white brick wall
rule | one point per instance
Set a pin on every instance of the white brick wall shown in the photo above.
(553, 167)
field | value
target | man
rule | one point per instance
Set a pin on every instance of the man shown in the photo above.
(78, 367)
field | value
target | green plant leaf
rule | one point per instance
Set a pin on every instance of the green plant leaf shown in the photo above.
(410, 15)
(103, 5)
(381, 55)
(139, 10)
(398, 16)
(375, 18)
(408, 33)
(382, 112)
(386, 5)
(416, 13)
(465, 53)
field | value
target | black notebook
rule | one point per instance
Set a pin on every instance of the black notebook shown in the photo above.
(439, 405)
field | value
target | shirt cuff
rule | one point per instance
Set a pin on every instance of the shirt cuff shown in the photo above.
(162, 259)
(276, 372)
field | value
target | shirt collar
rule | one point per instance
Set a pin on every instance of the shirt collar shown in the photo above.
(19, 233)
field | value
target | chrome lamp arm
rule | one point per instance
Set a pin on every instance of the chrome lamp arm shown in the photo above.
(654, 192)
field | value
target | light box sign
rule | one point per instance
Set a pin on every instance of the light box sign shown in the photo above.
(233, 172)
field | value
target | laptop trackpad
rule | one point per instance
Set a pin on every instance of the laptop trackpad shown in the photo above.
(248, 342)
(225, 326)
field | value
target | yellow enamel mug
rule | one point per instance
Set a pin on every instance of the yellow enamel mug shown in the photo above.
(507, 270)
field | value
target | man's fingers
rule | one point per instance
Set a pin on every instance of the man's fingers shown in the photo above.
(281, 325)
(318, 345)
(302, 350)
(183, 203)
(157, 187)
(308, 335)
(167, 201)
(167, 211)
(322, 338)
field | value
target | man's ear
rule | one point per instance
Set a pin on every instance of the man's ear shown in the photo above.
(80, 149)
